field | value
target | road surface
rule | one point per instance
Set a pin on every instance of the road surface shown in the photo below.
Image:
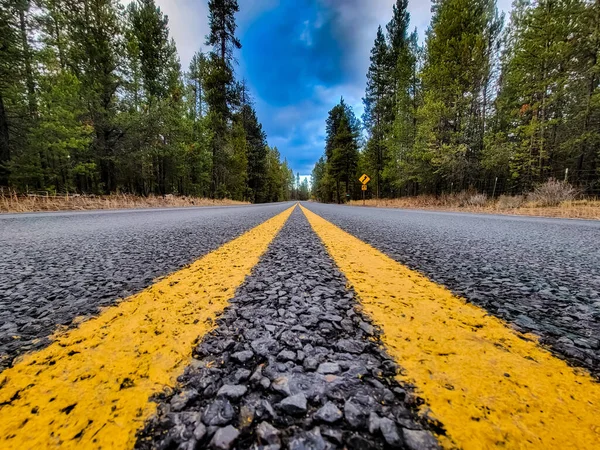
(55, 267)
(542, 275)
(315, 327)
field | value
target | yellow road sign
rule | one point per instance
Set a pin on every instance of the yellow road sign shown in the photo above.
(364, 187)
(364, 179)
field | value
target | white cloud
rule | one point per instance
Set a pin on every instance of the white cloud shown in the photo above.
(306, 35)
(355, 25)
(357, 19)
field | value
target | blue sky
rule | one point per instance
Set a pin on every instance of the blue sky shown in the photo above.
(298, 57)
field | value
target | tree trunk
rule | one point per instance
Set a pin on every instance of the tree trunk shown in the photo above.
(347, 182)
(587, 151)
(59, 45)
(214, 169)
(4, 144)
(28, 70)
(223, 36)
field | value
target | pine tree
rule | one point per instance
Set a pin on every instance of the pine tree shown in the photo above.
(157, 52)
(345, 156)
(304, 191)
(53, 22)
(92, 99)
(162, 90)
(588, 114)
(198, 155)
(455, 78)
(237, 184)
(9, 60)
(542, 91)
(222, 25)
(287, 181)
(23, 7)
(321, 189)
(401, 135)
(94, 56)
(57, 156)
(18, 90)
(257, 154)
(397, 29)
(274, 178)
(220, 84)
(196, 76)
(341, 147)
(378, 103)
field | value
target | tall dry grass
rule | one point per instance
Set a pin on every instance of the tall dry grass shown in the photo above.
(519, 205)
(13, 203)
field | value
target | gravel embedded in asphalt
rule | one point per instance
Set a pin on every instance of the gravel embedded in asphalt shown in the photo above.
(541, 275)
(292, 363)
(55, 267)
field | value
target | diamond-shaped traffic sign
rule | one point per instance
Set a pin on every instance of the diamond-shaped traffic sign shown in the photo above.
(364, 179)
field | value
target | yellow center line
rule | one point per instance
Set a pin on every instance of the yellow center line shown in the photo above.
(91, 387)
(487, 384)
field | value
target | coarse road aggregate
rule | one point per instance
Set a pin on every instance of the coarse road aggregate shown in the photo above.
(487, 383)
(292, 363)
(323, 342)
(55, 267)
(91, 387)
(541, 275)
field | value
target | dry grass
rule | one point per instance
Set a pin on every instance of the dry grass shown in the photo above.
(32, 203)
(576, 209)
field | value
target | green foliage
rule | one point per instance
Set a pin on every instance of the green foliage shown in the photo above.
(320, 184)
(15, 116)
(477, 108)
(256, 144)
(547, 108)
(456, 79)
(279, 180)
(56, 157)
(100, 105)
(222, 25)
(379, 106)
(335, 175)
(304, 190)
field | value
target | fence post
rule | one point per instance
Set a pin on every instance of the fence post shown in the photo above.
(566, 174)
(495, 184)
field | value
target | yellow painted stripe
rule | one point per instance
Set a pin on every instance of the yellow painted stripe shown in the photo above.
(489, 385)
(91, 387)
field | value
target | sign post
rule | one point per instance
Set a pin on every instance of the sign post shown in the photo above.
(364, 180)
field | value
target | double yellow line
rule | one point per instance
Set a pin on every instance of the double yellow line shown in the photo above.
(488, 385)
(91, 387)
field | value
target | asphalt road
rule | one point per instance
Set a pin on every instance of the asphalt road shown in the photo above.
(541, 275)
(291, 357)
(55, 267)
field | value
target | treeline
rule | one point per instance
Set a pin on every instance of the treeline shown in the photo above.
(93, 100)
(334, 175)
(479, 105)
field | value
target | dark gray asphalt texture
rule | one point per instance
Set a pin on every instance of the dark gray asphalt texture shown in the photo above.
(541, 275)
(292, 364)
(57, 266)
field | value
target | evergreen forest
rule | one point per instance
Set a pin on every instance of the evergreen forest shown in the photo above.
(93, 100)
(490, 103)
